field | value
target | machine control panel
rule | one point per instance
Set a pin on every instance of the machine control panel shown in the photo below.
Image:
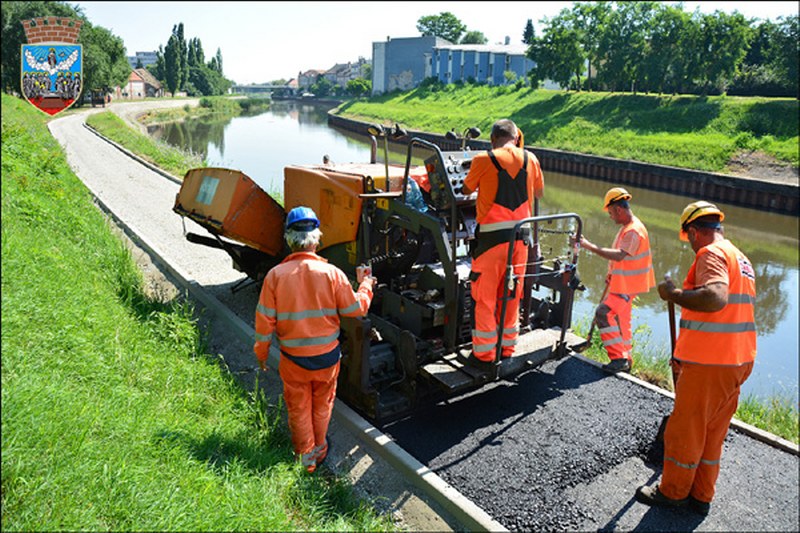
(449, 177)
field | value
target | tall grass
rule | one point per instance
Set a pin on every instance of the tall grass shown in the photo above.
(684, 131)
(115, 416)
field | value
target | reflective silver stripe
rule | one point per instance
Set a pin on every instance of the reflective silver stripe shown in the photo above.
(495, 226)
(637, 256)
(509, 342)
(309, 459)
(350, 308)
(714, 327)
(309, 341)
(741, 299)
(689, 466)
(620, 272)
(266, 311)
(609, 329)
(263, 338)
(312, 313)
(482, 347)
(484, 334)
(509, 331)
(611, 342)
(707, 462)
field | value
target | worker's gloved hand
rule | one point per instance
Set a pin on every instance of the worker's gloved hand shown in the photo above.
(666, 288)
(362, 272)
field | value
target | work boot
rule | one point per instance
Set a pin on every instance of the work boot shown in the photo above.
(321, 460)
(652, 496)
(700, 507)
(617, 365)
(479, 364)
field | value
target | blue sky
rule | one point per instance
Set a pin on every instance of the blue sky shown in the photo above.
(264, 41)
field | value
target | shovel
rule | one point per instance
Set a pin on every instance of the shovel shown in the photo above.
(584, 345)
(671, 312)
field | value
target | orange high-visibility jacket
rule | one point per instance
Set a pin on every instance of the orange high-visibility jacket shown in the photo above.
(494, 213)
(634, 274)
(301, 300)
(727, 336)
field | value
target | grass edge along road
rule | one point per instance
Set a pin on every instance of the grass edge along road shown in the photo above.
(115, 417)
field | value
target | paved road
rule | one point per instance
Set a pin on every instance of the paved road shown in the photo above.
(560, 448)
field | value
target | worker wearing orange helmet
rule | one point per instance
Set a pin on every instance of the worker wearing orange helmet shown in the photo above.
(630, 272)
(508, 178)
(301, 301)
(714, 355)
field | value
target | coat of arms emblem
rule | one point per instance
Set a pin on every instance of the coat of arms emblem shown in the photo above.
(52, 63)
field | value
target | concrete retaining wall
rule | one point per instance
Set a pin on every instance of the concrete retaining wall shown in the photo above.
(694, 184)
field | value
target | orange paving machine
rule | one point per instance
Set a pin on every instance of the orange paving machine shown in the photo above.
(414, 228)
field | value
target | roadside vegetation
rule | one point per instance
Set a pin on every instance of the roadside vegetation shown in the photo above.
(115, 415)
(210, 106)
(696, 132)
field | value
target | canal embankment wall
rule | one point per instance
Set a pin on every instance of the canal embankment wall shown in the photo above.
(783, 198)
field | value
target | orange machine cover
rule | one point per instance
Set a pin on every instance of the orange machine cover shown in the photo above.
(228, 203)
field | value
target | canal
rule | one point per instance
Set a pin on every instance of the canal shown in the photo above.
(298, 133)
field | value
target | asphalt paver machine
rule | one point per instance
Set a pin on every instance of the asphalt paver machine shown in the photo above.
(412, 348)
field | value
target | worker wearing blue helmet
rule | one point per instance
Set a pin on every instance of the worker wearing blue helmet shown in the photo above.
(301, 302)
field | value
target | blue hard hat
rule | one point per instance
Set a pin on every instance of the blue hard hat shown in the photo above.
(302, 219)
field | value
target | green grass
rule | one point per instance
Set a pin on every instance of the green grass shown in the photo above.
(776, 415)
(694, 132)
(115, 416)
(209, 106)
(161, 154)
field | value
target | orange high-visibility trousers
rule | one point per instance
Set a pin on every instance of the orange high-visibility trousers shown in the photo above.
(706, 397)
(613, 318)
(309, 397)
(487, 291)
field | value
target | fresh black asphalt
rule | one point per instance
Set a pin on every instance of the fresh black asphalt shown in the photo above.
(563, 448)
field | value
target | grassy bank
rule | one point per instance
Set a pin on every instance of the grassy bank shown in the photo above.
(163, 155)
(209, 106)
(701, 133)
(115, 417)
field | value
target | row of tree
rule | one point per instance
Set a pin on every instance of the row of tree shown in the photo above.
(181, 66)
(656, 47)
(653, 47)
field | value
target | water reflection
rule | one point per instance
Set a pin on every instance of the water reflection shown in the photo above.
(262, 144)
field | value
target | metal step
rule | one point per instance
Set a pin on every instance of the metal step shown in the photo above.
(533, 348)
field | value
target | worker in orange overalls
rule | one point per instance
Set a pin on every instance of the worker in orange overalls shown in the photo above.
(630, 272)
(714, 355)
(507, 179)
(301, 301)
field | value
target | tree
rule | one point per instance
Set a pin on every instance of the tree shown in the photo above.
(528, 35)
(183, 68)
(359, 87)
(139, 63)
(589, 21)
(444, 25)
(726, 38)
(557, 53)
(207, 82)
(785, 54)
(172, 65)
(663, 48)
(105, 64)
(218, 57)
(474, 37)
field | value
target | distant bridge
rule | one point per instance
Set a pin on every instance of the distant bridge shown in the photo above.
(262, 88)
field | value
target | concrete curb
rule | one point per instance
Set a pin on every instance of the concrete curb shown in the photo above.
(751, 431)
